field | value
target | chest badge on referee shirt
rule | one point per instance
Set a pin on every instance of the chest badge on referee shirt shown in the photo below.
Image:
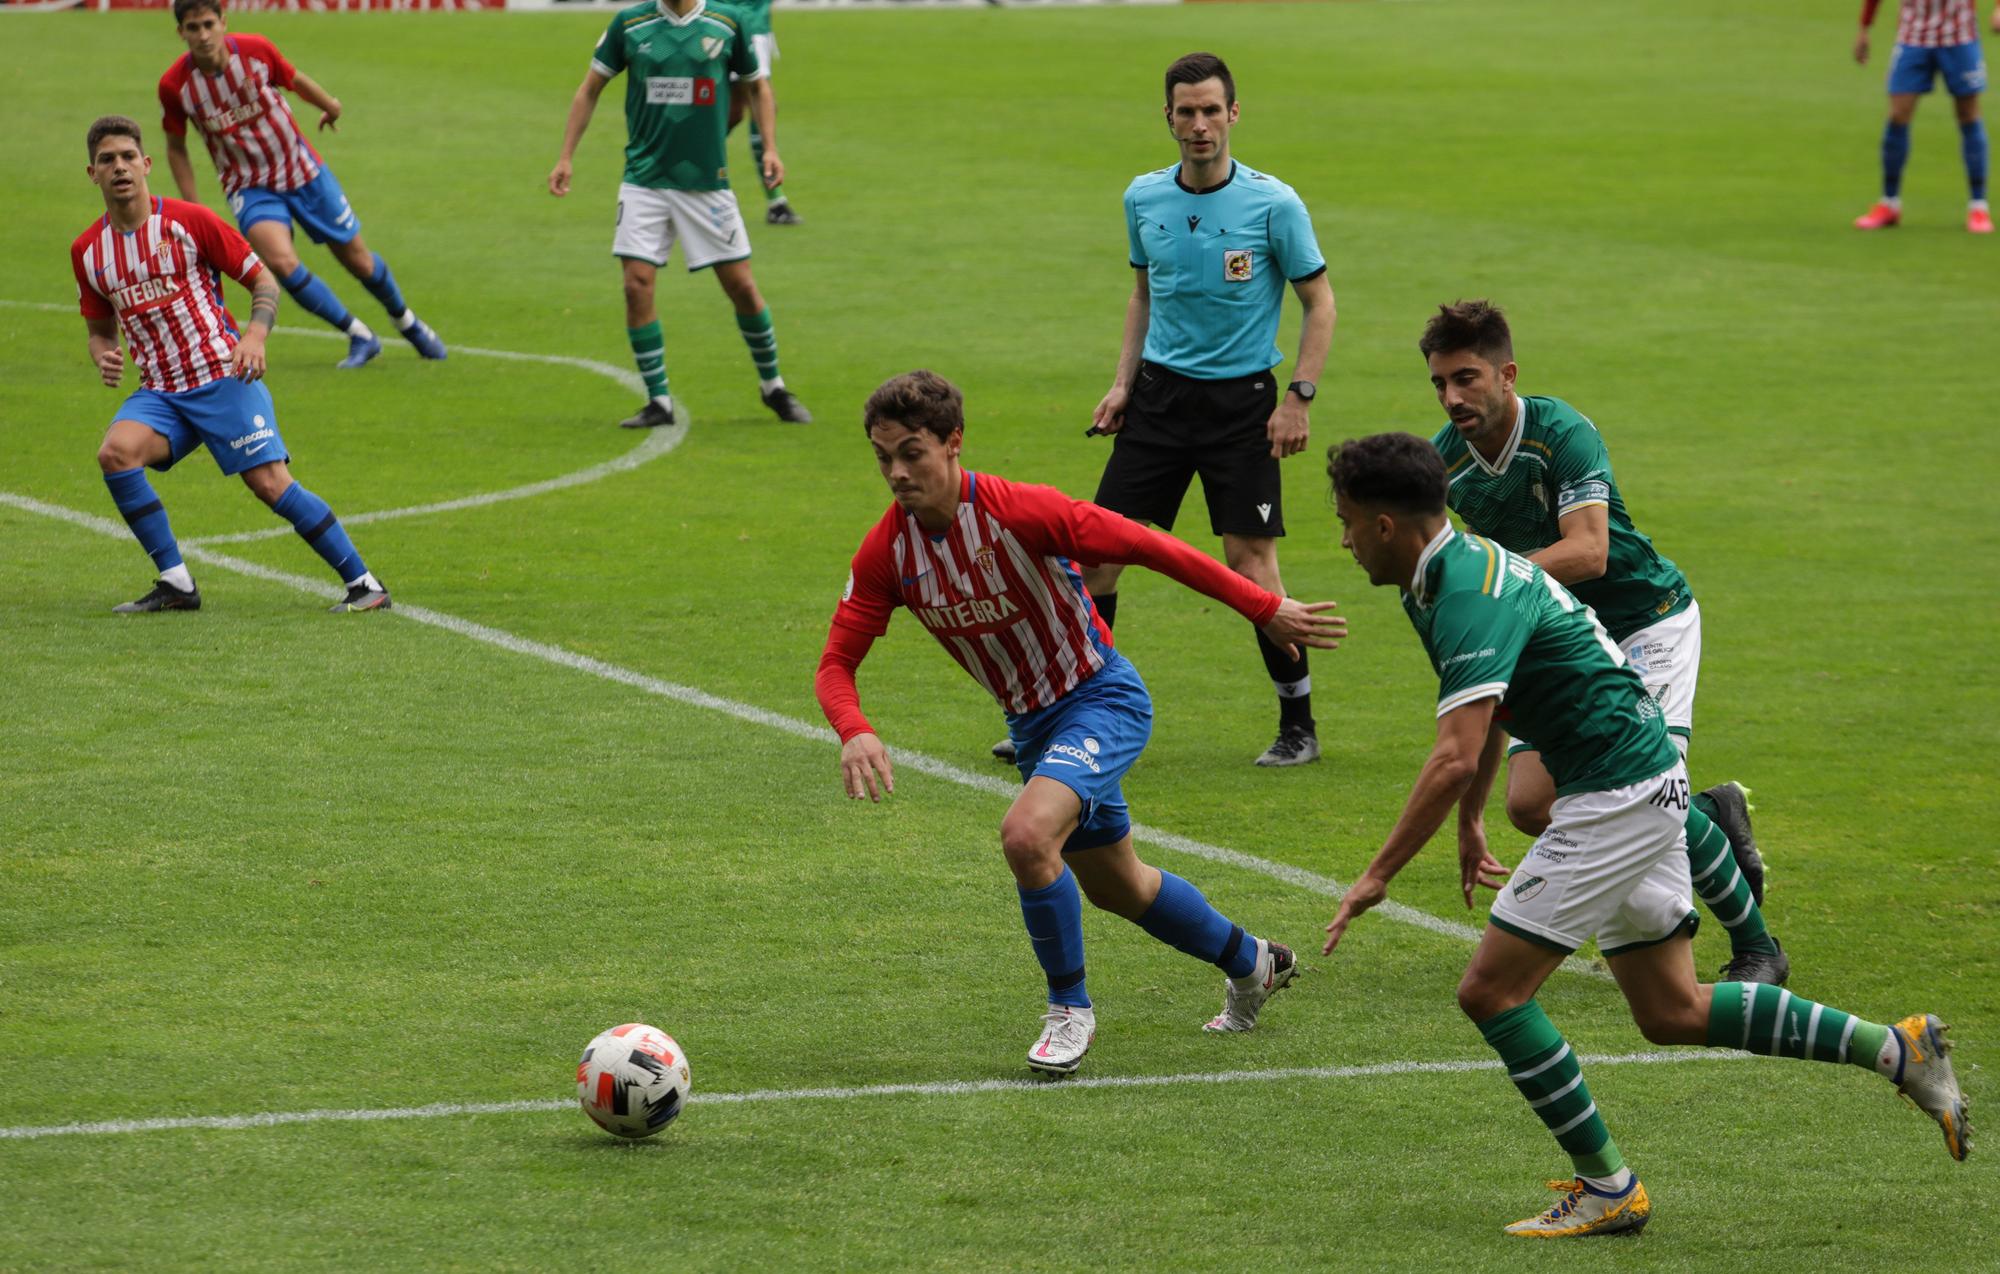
(1236, 265)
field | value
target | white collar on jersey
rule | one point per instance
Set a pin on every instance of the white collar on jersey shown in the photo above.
(1513, 441)
(1438, 541)
(666, 11)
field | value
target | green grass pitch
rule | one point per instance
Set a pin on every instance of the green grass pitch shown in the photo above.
(261, 859)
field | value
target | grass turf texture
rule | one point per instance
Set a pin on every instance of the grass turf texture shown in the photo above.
(261, 859)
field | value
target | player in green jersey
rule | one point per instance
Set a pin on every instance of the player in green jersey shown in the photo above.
(1514, 650)
(756, 16)
(1533, 474)
(682, 57)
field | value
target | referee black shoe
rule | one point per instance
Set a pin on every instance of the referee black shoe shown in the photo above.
(1295, 745)
(1004, 751)
(1732, 815)
(652, 416)
(779, 213)
(787, 406)
(163, 597)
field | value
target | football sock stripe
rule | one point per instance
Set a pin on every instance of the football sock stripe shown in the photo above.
(317, 298)
(147, 517)
(762, 341)
(1054, 917)
(1772, 1022)
(1185, 920)
(317, 526)
(649, 351)
(1720, 884)
(1548, 1076)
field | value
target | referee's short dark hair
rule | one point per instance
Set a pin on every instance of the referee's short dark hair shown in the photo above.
(1399, 472)
(1196, 67)
(1479, 326)
(916, 400)
(112, 126)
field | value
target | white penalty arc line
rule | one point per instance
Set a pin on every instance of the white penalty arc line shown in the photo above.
(657, 443)
(946, 1088)
(1312, 881)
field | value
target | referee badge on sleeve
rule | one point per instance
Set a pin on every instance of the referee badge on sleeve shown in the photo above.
(1236, 265)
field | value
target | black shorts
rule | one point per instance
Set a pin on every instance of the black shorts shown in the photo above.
(1177, 427)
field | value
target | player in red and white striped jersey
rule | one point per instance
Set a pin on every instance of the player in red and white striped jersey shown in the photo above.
(1933, 38)
(991, 568)
(230, 87)
(153, 267)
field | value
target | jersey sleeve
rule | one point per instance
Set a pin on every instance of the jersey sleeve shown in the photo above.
(89, 301)
(1475, 639)
(1580, 472)
(256, 46)
(1138, 249)
(221, 245)
(743, 62)
(173, 120)
(608, 58)
(1293, 241)
(870, 597)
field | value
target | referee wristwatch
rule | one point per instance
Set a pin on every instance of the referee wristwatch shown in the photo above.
(1305, 389)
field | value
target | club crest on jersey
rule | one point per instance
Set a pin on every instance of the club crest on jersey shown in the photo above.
(711, 46)
(988, 563)
(1236, 265)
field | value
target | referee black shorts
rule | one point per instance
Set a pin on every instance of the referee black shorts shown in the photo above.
(1177, 427)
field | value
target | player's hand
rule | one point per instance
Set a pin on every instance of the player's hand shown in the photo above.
(330, 117)
(1108, 417)
(774, 169)
(559, 178)
(1360, 896)
(1861, 48)
(1288, 428)
(247, 362)
(1477, 866)
(864, 763)
(1305, 624)
(111, 366)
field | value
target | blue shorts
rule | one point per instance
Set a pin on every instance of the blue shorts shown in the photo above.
(320, 206)
(1085, 741)
(1915, 69)
(235, 419)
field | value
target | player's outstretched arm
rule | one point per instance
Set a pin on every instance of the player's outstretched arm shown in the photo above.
(865, 769)
(581, 107)
(1305, 624)
(105, 352)
(329, 105)
(1447, 773)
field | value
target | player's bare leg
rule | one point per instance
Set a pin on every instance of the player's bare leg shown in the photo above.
(642, 329)
(1973, 148)
(1888, 210)
(272, 241)
(128, 448)
(373, 273)
(1255, 557)
(753, 320)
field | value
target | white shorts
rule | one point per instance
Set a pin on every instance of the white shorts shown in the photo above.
(765, 46)
(1612, 865)
(1667, 657)
(707, 223)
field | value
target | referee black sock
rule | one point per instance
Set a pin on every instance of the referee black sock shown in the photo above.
(1107, 607)
(1293, 680)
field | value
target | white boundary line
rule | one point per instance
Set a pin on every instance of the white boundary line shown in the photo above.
(947, 1088)
(657, 443)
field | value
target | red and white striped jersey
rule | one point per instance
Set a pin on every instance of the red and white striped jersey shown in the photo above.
(1001, 591)
(1930, 24)
(242, 115)
(162, 283)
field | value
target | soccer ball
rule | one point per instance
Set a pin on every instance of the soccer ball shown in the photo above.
(632, 1080)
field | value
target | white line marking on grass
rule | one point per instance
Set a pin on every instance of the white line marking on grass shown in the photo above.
(1299, 876)
(657, 443)
(947, 1088)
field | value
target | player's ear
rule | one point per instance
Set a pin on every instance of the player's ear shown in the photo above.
(1508, 371)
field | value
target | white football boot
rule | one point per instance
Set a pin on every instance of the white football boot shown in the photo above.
(1242, 997)
(1924, 1076)
(1067, 1033)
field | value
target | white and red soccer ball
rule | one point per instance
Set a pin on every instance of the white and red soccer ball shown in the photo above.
(633, 1080)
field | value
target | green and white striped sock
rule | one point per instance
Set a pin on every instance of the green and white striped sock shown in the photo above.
(763, 343)
(1544, 1067)
(649, 351)
(1721, 887)
(1772, 1022)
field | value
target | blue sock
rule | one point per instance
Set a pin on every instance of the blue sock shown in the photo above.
(1895, 153)
(316, 297)
(1972, 144)
(1054, 916)
(1184, 920)
(383, 285)
(145, 515)
(318, 527)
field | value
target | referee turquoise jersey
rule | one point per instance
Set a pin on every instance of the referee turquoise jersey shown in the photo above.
(1217, 262)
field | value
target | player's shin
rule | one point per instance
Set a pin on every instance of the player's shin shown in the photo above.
(762, 341)
(1054, 917)
(1972, 146)
(1772, 1022)
(147, 517)
(1721, 886)
(1895, 153)
(1292, 679)
(1545, 1070)
(316, 525)
(1186, 921)
(649, 351)
(317, 298)
(381, 284)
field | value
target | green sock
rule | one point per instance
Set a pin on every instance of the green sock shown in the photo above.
(763, 342)
(1544, 1067)
(772, 194)
(1721, 886)
(649, 350)
(1772, 1022)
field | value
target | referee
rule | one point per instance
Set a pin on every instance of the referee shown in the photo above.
(1197, 391)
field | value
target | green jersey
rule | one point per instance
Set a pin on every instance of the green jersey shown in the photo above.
(1555, 463)
(756, 15)
(676, 92)
(1497, 626)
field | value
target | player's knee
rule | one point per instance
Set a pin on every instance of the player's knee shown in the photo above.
(1031, 853)
(1480, 997)
(268, 481)
(114, 457)
(1530, 816)
(638, 292)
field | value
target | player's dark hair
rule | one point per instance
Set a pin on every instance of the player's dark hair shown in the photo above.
(1196, 67)
(1479, 326)
(916, 400)
(182, 8)
(112, 126)
(1399, 472)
